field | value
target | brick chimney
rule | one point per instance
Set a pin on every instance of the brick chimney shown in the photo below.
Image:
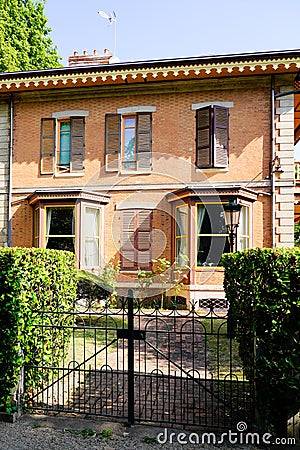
(89, 60)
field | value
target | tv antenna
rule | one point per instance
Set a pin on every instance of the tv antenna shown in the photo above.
(112, 19)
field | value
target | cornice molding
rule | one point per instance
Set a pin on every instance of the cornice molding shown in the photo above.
(114, 75)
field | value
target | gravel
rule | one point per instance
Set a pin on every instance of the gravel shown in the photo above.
(37, 432)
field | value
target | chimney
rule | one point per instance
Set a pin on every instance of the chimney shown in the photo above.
(89, 60)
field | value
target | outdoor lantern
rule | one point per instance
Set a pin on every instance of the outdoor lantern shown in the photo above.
(232, 216)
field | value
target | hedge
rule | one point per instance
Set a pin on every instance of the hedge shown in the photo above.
(263, 288)
(36, 285)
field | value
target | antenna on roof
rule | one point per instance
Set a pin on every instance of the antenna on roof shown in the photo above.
(112, 18)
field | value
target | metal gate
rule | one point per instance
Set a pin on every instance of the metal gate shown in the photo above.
(137, 362)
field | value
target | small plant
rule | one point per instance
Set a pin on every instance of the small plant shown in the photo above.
(105, 434)
(149, 440)
(165, 275)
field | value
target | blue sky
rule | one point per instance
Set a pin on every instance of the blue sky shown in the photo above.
(172, 28)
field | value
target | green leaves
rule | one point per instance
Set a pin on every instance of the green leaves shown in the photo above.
(24, 37)
(263, 288)
(36, 286)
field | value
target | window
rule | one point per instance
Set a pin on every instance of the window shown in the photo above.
(91, 237)
(36, 227)
(243, 233)
(128, 143)
(62, 145)
(181, 235)
(136, 240)
(212, 137)
(60, 228)
(212, 234)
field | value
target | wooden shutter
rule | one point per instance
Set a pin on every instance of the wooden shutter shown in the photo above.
(77, 143)
(143, 239)
(204, 157)
(221, 136)
(47, 146)
(144, 142)
(112, 142)
(135, 243)
(128, 240)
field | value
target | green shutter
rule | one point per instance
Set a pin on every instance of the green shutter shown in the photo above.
(77, 144)
(47, 152)
(112, 142)
(204, 157)
(144, 142)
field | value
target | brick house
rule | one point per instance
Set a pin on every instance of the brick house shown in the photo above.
(134, 161)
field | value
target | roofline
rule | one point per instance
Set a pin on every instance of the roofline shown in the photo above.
(156, 63)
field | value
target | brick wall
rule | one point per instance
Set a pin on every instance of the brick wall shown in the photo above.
(173, 153)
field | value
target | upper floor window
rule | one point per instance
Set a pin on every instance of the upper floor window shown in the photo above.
(128, 143)
(212, 125)
(62, 145)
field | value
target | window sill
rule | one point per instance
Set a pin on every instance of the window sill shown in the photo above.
(213, 170)
(68, 175)
(135, 172)
(208, 268)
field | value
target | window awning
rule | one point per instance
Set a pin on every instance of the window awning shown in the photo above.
(42, 195)
(213, 193)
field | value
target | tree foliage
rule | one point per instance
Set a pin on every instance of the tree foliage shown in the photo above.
(24, 37)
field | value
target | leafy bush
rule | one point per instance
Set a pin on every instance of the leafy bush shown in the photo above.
(263, 288)
(36, 286)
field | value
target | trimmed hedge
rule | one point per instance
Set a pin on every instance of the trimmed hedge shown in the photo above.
(263, 288)
(36, 285)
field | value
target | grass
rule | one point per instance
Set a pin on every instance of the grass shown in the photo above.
(222, 352)
(88, 339)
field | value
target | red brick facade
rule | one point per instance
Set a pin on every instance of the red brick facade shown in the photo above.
(248, 99)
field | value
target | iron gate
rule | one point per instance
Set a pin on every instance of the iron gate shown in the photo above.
(137, 362)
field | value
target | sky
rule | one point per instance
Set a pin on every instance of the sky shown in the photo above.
(157, 29)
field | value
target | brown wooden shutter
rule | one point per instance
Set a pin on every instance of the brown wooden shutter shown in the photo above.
(47, 146)
(112, 142)
(143, 239)
(77, 143)
(204, 157)
(221, 136)
(128, 240)
(144, 142)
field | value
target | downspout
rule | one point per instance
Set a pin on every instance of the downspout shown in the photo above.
(272, 159)
(11, 120)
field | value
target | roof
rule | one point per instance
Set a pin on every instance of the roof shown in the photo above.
(196, 67)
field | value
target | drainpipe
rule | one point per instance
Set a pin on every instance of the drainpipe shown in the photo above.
(11, 120)
(272, 159)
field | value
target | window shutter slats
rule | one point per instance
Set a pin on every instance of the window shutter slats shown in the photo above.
(212, 124)
(221, 136)
(203, 138)
(136, 243)
(77, 143)
(47, 146)
(144, 142)
(112, 142)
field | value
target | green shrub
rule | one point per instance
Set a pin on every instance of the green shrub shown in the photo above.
(263, 288)
(36, 285)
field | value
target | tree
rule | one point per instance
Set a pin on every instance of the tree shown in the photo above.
(24, 37)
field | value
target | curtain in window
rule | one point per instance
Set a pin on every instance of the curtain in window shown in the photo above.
(91, 237)
(48, 223)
